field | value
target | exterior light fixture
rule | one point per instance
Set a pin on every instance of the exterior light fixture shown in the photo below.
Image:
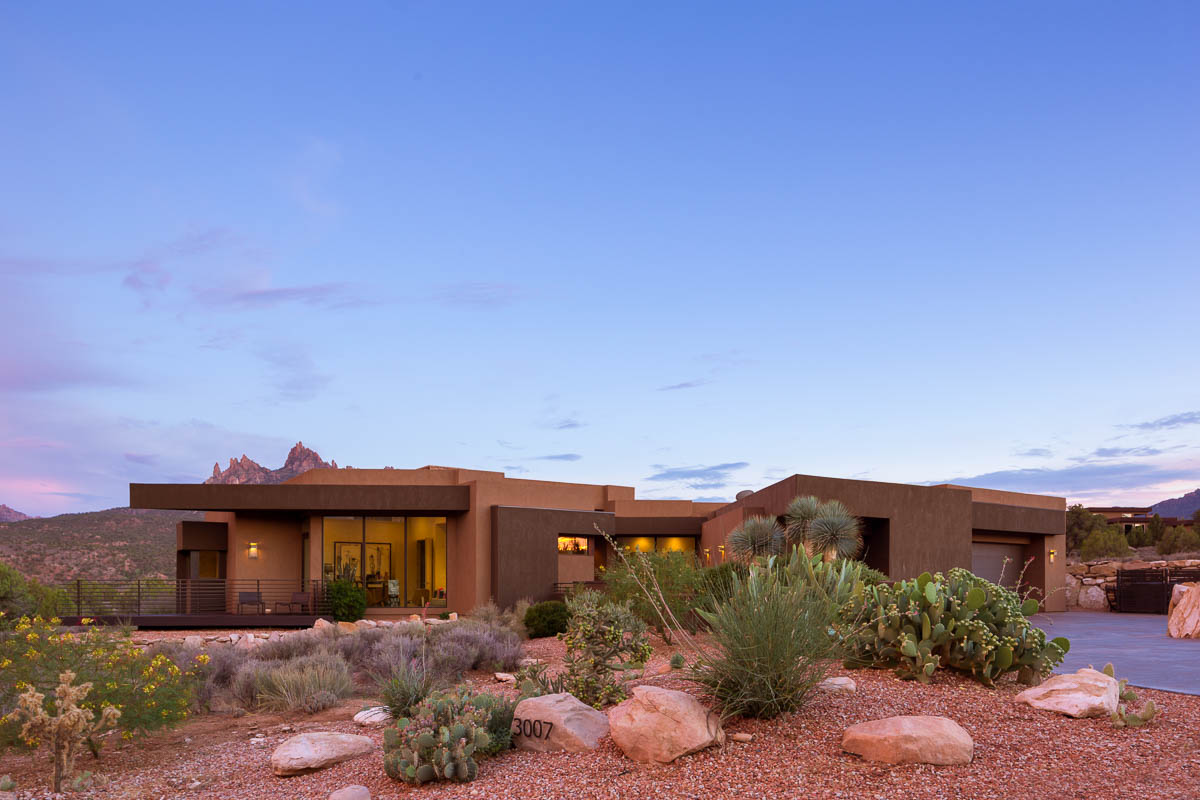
(721, 550)
(252, 550)
(707, 555)
(1053, 553)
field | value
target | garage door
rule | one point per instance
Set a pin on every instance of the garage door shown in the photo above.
(987, 561)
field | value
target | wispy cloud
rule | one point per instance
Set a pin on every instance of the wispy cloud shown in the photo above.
(1123, 452)
(1034, 452)
(142, 458)
(1169, 422)
(29, 372)
(294, 373)
(692, 384)
(477, 294)
(509, 445)
(565, 424)
(1079, 479)
(559, 457)
(325, 295)
(715, 476)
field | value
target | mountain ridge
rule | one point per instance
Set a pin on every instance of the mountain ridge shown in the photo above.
(244, 470)
(8, 514)
(1183, 506)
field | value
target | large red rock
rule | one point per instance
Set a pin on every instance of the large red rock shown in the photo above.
(660, 725)
(1086, 693)
(912, 739)
(1183, 616)
(557, 722)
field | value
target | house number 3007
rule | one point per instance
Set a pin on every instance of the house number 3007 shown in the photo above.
(532, 728)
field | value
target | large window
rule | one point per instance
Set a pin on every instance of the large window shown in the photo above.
(661, 544)
(400, 561)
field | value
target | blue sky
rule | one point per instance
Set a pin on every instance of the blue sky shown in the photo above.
(689, 247)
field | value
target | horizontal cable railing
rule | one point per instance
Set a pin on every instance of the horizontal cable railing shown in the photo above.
(193, 596)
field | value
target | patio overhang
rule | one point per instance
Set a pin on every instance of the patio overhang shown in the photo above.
(301, 498)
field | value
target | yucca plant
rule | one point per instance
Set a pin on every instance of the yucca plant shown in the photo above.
(825, 527)
(757, 536)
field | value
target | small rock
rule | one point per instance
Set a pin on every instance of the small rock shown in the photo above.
(385, 623)
(195, 784)
(224, 639)
(911, 739)
(364, 624)
(838, 686)
(505, 677)
(660, 725)
(193, 642)
(369, 717)
(306, 752)
(346, 627)
(286, 729)
(355, 792)
(744, 738)
(654, 672)
(274, 637)
(233, 638)
(322, 624)
(529, 662)
(453, 616)
(187, 740)
(1183, 614)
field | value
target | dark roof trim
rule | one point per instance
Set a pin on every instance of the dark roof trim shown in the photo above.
(323, 498)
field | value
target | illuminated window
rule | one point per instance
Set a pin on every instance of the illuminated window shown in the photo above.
(661, 544)
(400, 561)
(573, 545)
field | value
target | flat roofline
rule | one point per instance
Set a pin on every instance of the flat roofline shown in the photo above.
(313, 498)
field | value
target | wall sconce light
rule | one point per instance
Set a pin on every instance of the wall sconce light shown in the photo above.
(721, 550)
(707, 555)
(1053, 553)
(252, 550)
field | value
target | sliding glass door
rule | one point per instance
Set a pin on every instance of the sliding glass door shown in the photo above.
(400, 561)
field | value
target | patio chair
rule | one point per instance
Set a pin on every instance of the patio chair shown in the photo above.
(251, 599)
(297, 605)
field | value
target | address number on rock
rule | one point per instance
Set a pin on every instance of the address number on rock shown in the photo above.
(532, 728)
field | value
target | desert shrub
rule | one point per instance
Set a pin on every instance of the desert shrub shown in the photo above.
(678, 661)
(296, 645)
(716, 582)
(406, 685)
(454, 649)
(770, 644)
(547, 618)
(149, 689)
(438, 741)
(310, 684)
(25, 597)
(1179, 539)
(604, 640)
(957, 621)
(216, 674)
(677, 577)
(358, 648)
(347, 600)
(512, 618)
(394, 651)
(499, 725)
(1104, 543)
(868, 575)
(243, 689)
(757, 536)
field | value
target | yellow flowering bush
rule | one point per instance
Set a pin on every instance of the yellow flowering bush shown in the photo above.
(149, 690)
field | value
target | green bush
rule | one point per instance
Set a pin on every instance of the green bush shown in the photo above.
(548, 618)
(408, 684)
(1179, 539)
(499, 725)
(677, 576)
(309, 684)
(347, 601)
(1104, 543)
(25, 597)
(716, 582)
(678, 661)
(512, 618)
(439, 741)
(771, 643)
(868, 575)
(957, 621)
(604, 640)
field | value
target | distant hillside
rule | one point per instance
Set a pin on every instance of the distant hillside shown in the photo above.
(11, 514)
(118, 543)
(1179, 506)
(299, 460)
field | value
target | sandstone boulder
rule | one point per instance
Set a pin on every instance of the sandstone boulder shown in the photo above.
(912, 739)
(193, 642)
(565, 724)
(364, 624)
(838, 685)
(370, 717)
(1086, 693)
(1073, 585)
(346, 627)
(1183, 618)
(322, 625)
(1105, 569)
(1093, 598)
(354, 792)
(306, 752)
(660, 725)
(505, 677)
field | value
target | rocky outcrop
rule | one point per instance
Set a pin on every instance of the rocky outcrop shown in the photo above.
(307, 752)
(1183, 616)
(557, 722)
(245, 470)
(911, 739)
(1086, 693)
(660, 725)
(11, 514)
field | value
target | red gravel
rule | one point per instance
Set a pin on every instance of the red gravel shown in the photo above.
(1019, 753)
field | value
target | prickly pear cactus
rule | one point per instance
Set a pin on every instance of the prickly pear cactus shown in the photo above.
(957, 621)
(438, 742)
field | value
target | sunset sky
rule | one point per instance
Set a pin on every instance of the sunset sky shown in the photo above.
(688, 247)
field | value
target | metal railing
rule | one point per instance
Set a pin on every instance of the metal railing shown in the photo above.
(194, 596)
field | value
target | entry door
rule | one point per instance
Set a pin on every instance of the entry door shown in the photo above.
(987, 561)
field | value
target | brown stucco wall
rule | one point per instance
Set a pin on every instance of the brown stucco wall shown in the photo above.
(525, 548)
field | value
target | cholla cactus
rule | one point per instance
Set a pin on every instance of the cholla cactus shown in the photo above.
(69, 728)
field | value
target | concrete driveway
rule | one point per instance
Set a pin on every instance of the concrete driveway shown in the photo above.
(1136, 644)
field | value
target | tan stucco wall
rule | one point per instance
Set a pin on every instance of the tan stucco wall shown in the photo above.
(576, 569)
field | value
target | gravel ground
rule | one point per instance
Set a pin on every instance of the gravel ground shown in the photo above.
(1019, 753)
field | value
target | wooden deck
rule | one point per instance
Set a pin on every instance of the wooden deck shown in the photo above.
(207, 620)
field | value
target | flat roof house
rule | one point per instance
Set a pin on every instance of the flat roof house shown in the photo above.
(447, 539)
